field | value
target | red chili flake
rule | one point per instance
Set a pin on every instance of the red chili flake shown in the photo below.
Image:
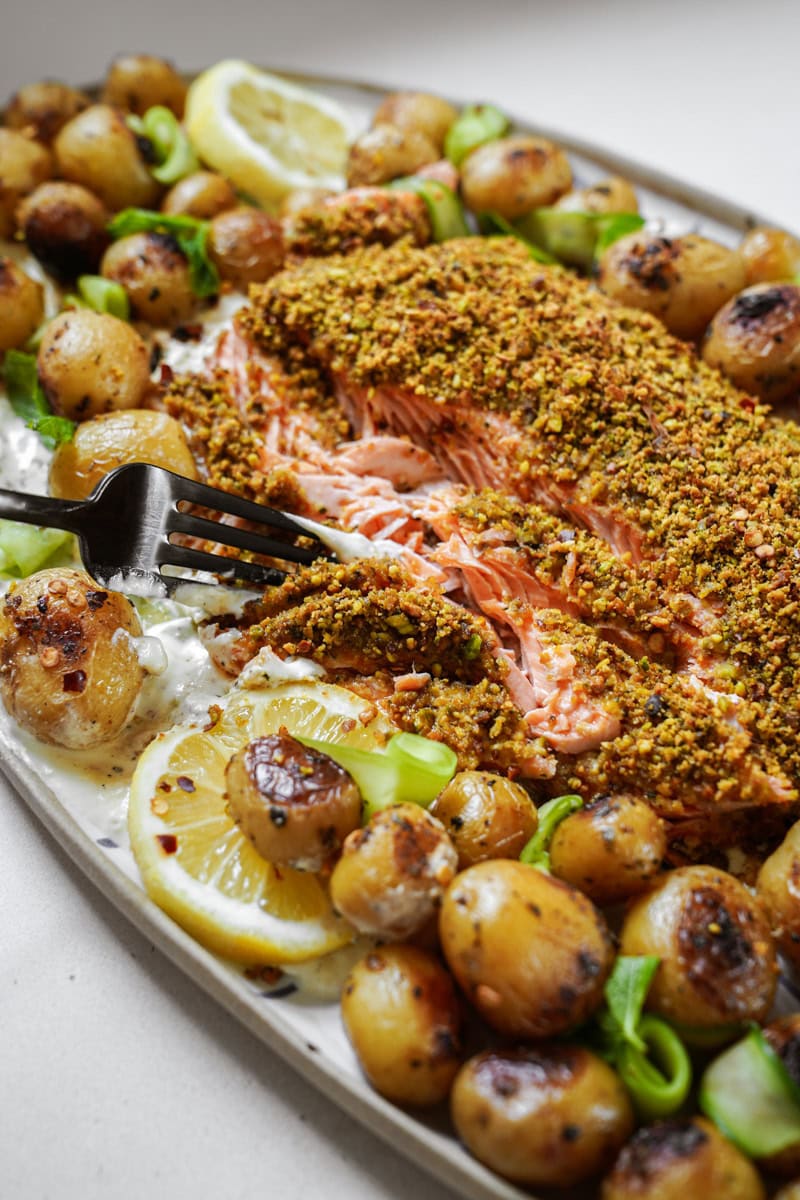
(169, 843)
(164, 786)
(74, 681)
(185, 783)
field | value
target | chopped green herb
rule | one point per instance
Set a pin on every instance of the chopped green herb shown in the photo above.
(473, 127)
(536, 851)
(190, 234)
(27, 399)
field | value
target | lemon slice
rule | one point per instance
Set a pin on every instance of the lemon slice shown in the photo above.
(194, 861)
(266, 135)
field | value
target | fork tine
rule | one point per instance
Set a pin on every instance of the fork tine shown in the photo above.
(244, 539)
(198, 560)
(209, 497)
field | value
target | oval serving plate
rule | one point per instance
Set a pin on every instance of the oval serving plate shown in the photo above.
(305, 1033)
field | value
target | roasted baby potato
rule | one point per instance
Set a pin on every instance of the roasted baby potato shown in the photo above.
(113, 439)
(770, 256)
(512, 175)
(296, 805)
(486, 815)
(92, 363)
(718, 962)
(136, 82)
(41, 109)
(21, 305)
(385, 152)
(401, 1013)
(24, 164)
(246, 246)
(69, 672)
(417, 111)
(684, 280)
(755, 340)
(610, 849)
(156, 276)
(613, 195)
(65, 227)
(393, 872)
(550, 1115)
(203, 195)
(530, 952)
(99, 151)
(778, 887)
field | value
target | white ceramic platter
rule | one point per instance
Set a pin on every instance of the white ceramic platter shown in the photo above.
(91, 827)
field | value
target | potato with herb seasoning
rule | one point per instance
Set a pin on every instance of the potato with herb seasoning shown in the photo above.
(755, 340)
(21, 305)
(97, 150)
(65, 227)
(422, 112)
(402, 1016)
(778, 887)
(91, 363)
(610, 848)
(770, 256)
(136, 82)
(385, 152)
(41, 109)
(69, 670)
(513, 175)
(614, 195)
(486, 815)
(551, 1115)
(24, 164)
(155, 275)
(245, 245)
(530, 952)
(204, 195)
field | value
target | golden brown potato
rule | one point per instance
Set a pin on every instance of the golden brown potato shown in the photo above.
(778, 887)
(156, 276)
(613, 195)
(92, 363)
(684, 280)
(755, 340)
(65, 227)
(513, 175)
(550, 1115)
(679, 1160)
(69, 672)
(420, 112)
(385, 152)
(246, 245)
(529, 951)
(99, 151)
(783, 1035)
(296, 805)
(393, 872)
(300, 198)
(770, 256)
(113, 439)
(718, 961)
(203, 195)
(136, 82)
(790, 1192)
(41, 109)
(610, 849)
(24, 164)
(486, 815)
(402, 1017)
(21, 305)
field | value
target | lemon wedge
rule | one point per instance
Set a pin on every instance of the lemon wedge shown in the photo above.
(266, 135)
(195, 862)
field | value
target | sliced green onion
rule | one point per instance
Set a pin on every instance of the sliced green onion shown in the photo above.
(748, 1093)
(190, 234)
(172, 148)
(409, 769)
(626, 991)
(27, 399)
(710, 1037)
(658, 1078)
(26, 548)
(576, 238)
(102, 295)
(474, 126)
(491, 224)
(536, 851)
(444, 207)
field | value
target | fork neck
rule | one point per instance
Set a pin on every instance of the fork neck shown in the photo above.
(42, 510)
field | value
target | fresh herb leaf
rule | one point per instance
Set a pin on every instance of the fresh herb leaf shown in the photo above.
(27, 399)
(536, 852)
(626, 991)
(612, 226)
(190, 234)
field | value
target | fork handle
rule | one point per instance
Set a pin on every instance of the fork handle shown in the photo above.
(42, 510)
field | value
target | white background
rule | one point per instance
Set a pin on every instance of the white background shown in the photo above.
(118, 1080)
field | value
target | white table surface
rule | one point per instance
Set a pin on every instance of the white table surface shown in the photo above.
(118, 1079)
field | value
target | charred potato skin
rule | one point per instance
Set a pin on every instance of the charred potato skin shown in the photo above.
(110, 441)
(778, 886)
(610, 849)
(681, 1158)
(21, 305)
(91, 363)
(423, 112)
(97, 150)
(402, 1016)
(24, 164)
(683, 281)
(513, 175)
(770, 255)
(718, 962)
(246, 246)
(68, 668)
(385, 152)
(486, 816)
(755, 340)
(295, 805)
(136, 82)
(550, 1115)
(392, 873)
(65, 227)
(156, 276)
(530, 952)
(41, 109)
